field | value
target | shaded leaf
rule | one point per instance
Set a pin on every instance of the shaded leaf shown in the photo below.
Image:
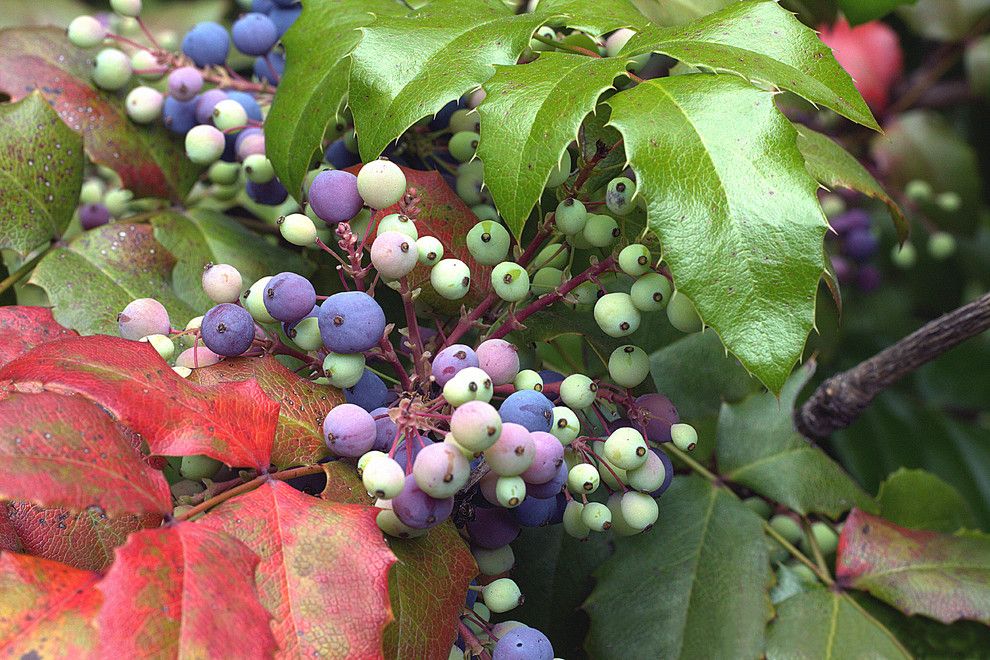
(595, 18)
(834, 167)
(23, 328)
(759, 447)
(85, 540)
(232, 422)
(200, 237)
(47, 609)
(862, 11)
(943, 20)
(824, 624)
(41, 168)
(302, 405)
(529, 116)
(313, 89)
(163, 592)
(62, 451)
(678, 12)
(736, 211)
(919, 500)
(323, 575)
(763, 43)
(90, 280)
(704, 561)
(151, 161)
(946, 577)
(409, 67)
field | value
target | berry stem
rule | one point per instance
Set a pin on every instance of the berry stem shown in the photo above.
(247, 487)
(561, 46)
(816, 551)
(602, 152)
(388, 355)
(467, 322)
(25, 268)
(420, 368)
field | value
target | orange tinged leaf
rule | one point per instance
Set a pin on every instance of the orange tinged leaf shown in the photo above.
(23, 328)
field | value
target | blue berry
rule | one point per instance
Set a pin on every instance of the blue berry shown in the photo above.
(289, 297)
(351, 322)
(451, 360)
(271, 193)
(270, 69)
(417, 509)
(334, 196)
(179, 116)
(206, 102)
(369, 393)
(385, 430)
(523, 643)
(228, 329)
(529, 409)
(536, 512)
(283, 17)
(207, 44)
(860, 244)
(254, 34)
(340, 156)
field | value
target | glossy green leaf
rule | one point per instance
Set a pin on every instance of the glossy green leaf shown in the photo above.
(41, 168)
(200, 237)
(862, 11)
(920, 500)
(698, 579)
(96, 275)
(826, 625)
(529, 116)
(763, 43)
(735, 210)
(594, 18)
(407, 68)
(834, 167)
(943, 576)
(759, 448)
(678, 12)
(313, 89)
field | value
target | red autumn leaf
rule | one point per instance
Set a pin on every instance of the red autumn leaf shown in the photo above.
(231, 422)
(23, 328)
(943, 576)
(85, 539)
(427, 583)
(324, 569)
(183, 591)
(150, 161)
(47, 609)
(445, 215)
(58, 450)
(303, 405)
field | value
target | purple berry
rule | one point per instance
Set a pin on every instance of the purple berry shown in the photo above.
(207, 44)
(205, 103)
(550, 488)
(184, 83)
(856, 219)
(537, 512)
(668, 471)
(93, 215)
(334, 196)
(369, 393)
(549, 457)
(228, 329)
(523, 643)
(349, 430)
(661, 415)
(351, 322)
(868, 278)
(492, 528)
(418, 510)
(450, 360)
(499, 359)
(417, 445)
(271, 193)
(844, 270)
(289, 297)
(254, 34)
(860, 245)
(528, 408)
(179, 116)
(248, 142)
(385, 430)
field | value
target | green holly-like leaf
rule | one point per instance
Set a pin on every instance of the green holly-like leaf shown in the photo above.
(200, 237)
(41, 168)
(705, 561)
(758, 447)
(833, 166)
(729, 196)
(765, 44)
(825, 624)
(920, 500)
(678, 12)
(594, 18)
(863, 11)
(529, 116)
(96, 275)
(314, 88)
(407, 68)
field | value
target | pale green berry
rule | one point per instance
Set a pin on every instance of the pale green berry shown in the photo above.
(787, 527)
(130, 8)
(553, 255)
(258, 169)
(488, 242)
(86, 32)
(229, 115)
(759, 506)
(639, 509)
(649, 476)
(147, 63)
(494, 562)
(684, 436)
(918, 190)
(118, 202)
(470, 384)
(620, 526)
(634, 260)
(596, 516)
(585, 293)
(601, 231)
(465, 452)
(941, 245)
(486, 212)
(366, 458)
(578, 391)
(195, 323)
(483, 613)
(502, 595)
(565, 427)
(527, 379)
(826, 539)
(571, 216)
(651, 292)
(398, 222)
(92, 191)
(904, 256)
(144, 104)
(464, 120)
(616, 315)
(381, 183)
(224, 173)
(254, 301)
(560, 173)
(446, 482)
(463, 145)
(429, 249)
(583, 479)
(612, 475)
(628, 365)
(546, 32)
(510, 491)
(470, 182)
(112, 69)
(199, 467)
(682, 314)
(183, 372)
(389, 523)
(510, 281)
(383, 477)
(949, 201)
(626, 448)
(618, 39)
(546, 280)
(451, 279)
(578, 241)
(344, 369)
(298, 229)
(204, 144)
(162, 344)
(573, 520)
(619, 196)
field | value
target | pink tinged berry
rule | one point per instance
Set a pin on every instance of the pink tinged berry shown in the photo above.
(143, 317)
(514, 451)
(222, 283)
(196, 357)
(441, 470)
(476, 425)
(204, 144)
(452, 360)
(499, 359)
(547, 460)
(394, 255)
(184, 83)
(349, 431)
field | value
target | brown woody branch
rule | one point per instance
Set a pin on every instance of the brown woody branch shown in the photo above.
(842, 398)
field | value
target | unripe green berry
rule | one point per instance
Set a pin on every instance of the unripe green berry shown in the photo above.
(366, 459)
(759, 506)
(464, 120)
(510, 491)
(130, 8)
(574, 520)
(229, 115)
(258, 169)
(86, 32)
(553, 254)
(144, 104)
(343, 369)
(682, 314)
(628, 365)
(199, 467)
(224, 173)
(486, 212)
(398, 222)
(546, 280)
(253, 301)
(596, 516)
(684, 436)
(162, 344)
(918, 191)
(601, 231)
(583, 479)
(616, 315)
(488, 242)
(578, 392)
(941, 245)
(510, 281)
(560, 173)
(651, 292)
(463, 145)
(204, 144)
(626, 448)
(389, 523)
(787, 527)
(306, 334)
(502, 595)
(383, 477)
(639, 510)
(527, 379)
(494, 562)
(112, 69)
(381, 183)
(904, 256)
(571, 216)
(619, 195)
(949, 201)
(826, 539)
(451, 278)
(429, 249)
(649, 476)
(147, 63)
(565, 426)
(832, 205)
(620, 526)
(634, 260)
(298, 229)
(92, 191)
(118, 202)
